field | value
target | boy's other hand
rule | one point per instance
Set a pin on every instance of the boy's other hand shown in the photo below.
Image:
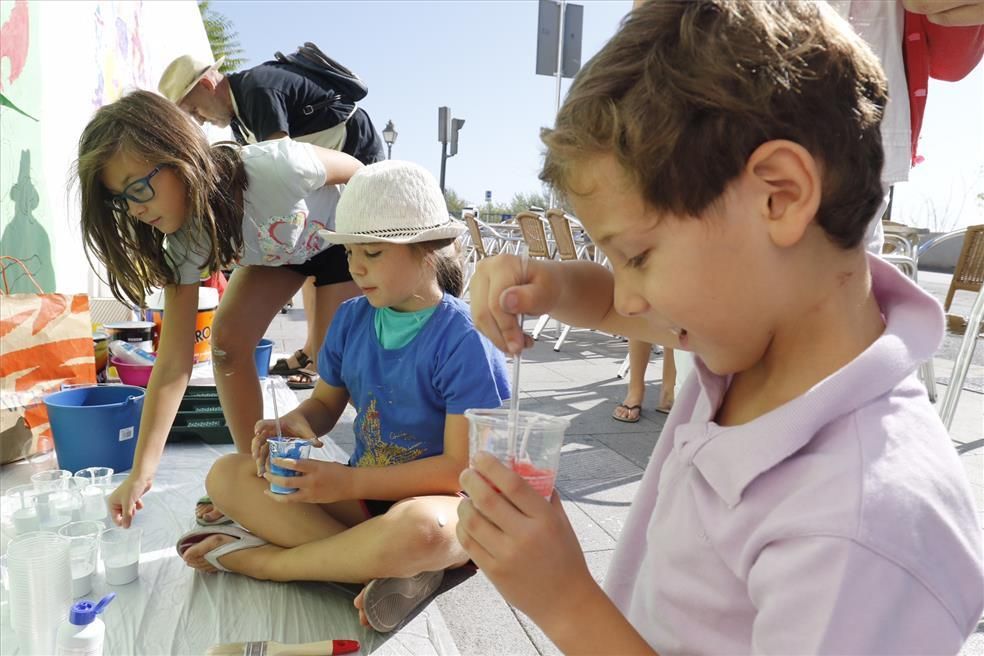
(949, 13)
(499, 293)
(523, 543)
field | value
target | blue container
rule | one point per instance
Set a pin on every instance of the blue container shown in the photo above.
(286, 447)
(262, 354)
(95, 426)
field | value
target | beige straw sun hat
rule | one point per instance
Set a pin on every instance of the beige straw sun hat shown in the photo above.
(394, 202)
(181, 76)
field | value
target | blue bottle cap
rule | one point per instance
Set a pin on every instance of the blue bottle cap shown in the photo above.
(84, 612)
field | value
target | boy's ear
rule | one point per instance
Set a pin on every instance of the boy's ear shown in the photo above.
(792, 184)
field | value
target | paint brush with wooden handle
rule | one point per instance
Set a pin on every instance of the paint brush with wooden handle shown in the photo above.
(274, 648)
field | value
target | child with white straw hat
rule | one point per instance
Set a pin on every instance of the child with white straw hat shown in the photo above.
(410, 361)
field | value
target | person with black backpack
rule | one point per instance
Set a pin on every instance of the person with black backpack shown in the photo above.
(306, 96)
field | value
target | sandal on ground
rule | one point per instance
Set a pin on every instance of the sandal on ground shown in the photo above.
(245, 540)
(663, 411)
(201, 521)
(302, 379)
(282, 366)
(631, 419)
(387, 602)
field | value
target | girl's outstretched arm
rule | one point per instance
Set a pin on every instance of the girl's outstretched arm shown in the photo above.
(168, 381)
(339, 167)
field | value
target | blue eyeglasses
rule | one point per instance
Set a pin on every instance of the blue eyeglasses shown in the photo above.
(139, 191)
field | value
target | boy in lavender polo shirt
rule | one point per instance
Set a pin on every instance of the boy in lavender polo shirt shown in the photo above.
(803, 496)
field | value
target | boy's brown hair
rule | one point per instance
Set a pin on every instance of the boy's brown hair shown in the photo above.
(686, 91)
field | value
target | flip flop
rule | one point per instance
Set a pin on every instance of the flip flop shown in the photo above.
(629, 408)
(303, 378)
(206, 501)
(663, 411)
(282, 367)
(246, 540)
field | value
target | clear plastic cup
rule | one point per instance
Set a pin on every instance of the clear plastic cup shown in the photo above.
(94, 476)
(531, 448)
(51, 480)
(40, 579)
(120, 552)
(83, 551)
(59, 508)
(20, 509)
(94, 502)
(286, 447)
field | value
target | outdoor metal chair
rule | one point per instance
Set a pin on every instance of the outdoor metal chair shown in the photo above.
(567, 247)
(968, 275)
(486, 241)
(534, 232)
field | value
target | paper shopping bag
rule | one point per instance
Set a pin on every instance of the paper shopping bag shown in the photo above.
(45, 342)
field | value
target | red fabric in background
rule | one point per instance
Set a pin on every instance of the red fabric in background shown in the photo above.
(943, 53)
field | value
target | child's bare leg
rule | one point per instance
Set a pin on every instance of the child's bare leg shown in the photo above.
(415, 535)
(237, 491)
(254, 296)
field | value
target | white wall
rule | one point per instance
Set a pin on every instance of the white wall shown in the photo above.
(87, 54)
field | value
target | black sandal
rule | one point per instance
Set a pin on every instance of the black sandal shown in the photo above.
(302, 379)
(282, 366)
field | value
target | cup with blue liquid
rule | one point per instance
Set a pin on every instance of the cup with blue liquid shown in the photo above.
(286, 447)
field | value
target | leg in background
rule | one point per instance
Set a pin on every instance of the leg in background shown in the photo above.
(309, 297)
(667, 395)
(631, 407)
(253, 298)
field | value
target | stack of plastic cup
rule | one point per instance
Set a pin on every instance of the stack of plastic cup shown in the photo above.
(55, 503)
(40, 579)
(83, 553)
(20, 509)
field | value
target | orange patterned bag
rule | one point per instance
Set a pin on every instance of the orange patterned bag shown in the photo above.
(45, 342)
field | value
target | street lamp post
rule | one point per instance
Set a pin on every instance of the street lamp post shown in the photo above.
(389, 136)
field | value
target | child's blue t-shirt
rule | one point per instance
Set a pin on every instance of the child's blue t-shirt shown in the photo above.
(403, 395)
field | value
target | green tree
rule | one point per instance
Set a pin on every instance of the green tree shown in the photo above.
(524, 201)
(455, 202)
(222, 38)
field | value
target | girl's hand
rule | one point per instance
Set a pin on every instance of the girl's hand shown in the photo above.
(499, 292)
(124, 501)
(523, 543)
(319, 482)
(291, 425)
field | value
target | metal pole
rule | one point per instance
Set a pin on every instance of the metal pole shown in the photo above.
(444, 161)
(389, 151)
(560, 72)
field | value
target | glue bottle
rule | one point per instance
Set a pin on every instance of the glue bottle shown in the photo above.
(130, 354)
(84, 633)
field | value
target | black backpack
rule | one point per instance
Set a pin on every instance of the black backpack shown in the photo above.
(338, 81)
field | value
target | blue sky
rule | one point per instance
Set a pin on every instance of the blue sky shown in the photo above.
(478, 58)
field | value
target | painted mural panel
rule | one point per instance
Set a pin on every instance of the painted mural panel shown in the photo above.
(25, 226)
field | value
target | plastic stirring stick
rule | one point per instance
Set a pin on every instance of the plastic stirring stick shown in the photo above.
(517, 359)
(276, 413)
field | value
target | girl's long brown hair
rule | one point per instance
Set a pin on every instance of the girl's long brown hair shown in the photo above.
(145, 125)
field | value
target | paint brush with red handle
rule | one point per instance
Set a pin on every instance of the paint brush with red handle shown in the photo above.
(274, 648)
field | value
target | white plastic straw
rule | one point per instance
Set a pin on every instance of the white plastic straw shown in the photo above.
(276, 413)
(517, 360)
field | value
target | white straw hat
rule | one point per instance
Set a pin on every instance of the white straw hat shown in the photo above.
(395, 202)
(181, 76)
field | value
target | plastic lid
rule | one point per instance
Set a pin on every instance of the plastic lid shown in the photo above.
(83, 612)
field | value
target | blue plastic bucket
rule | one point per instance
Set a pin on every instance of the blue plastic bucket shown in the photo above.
(262, 354)
(95, 426)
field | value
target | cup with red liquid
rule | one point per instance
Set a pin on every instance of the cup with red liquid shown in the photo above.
(531, 448)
